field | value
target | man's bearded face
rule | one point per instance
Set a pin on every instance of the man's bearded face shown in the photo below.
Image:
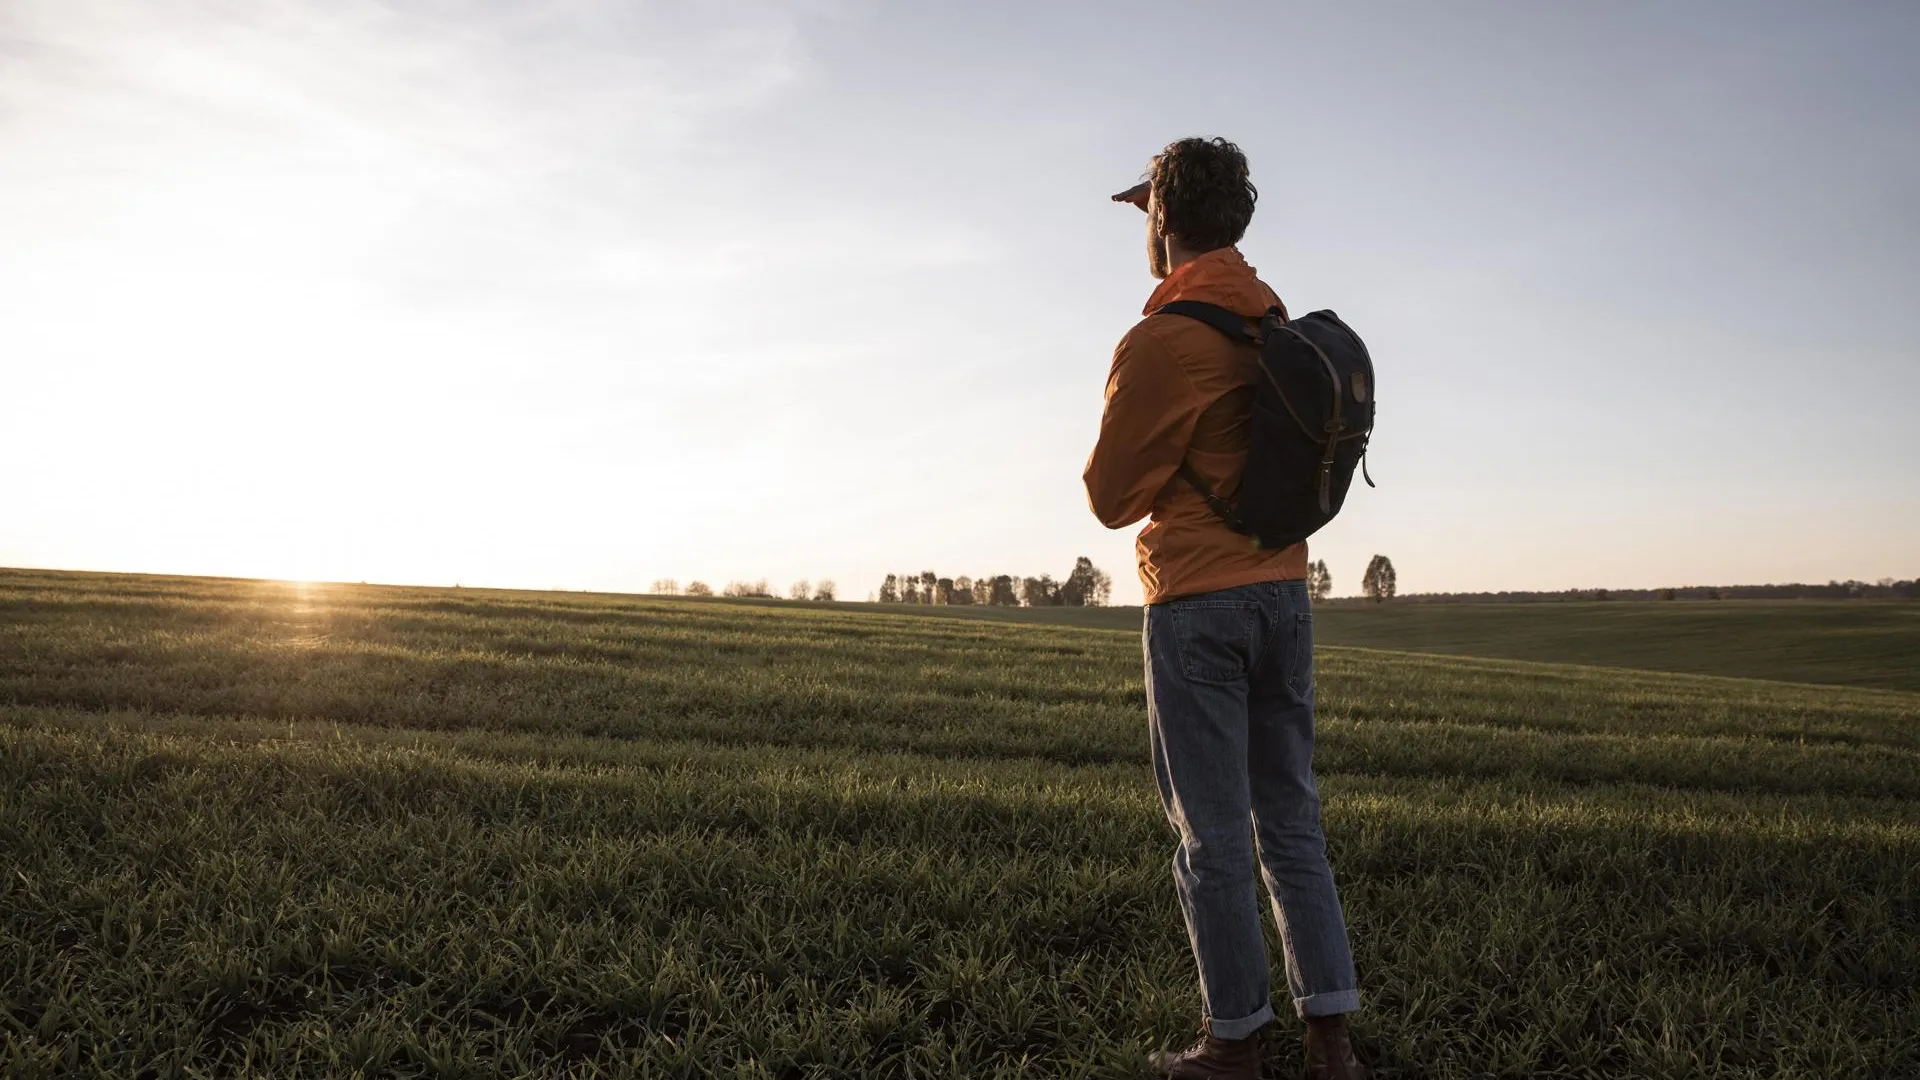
(1157, 261)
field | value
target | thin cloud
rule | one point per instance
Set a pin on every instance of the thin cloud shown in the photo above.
(457, 143)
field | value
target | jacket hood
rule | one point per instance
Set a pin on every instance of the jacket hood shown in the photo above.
(1220, 277)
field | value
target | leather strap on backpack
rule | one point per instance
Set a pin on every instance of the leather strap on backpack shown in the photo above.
(1336, 420)
(1215, 503)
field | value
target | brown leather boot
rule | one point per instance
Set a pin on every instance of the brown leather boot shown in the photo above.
(1330, 1053)
(1211, 1059)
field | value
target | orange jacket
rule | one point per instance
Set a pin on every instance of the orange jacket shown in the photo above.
(1180, 390)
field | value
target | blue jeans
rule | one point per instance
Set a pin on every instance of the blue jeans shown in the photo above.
(1230, 711)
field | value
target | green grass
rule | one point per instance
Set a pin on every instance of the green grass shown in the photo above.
(1845, 642)
(1866, 643)
(255, 830)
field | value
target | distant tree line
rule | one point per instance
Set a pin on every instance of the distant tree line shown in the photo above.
(823, 591)
(1085, 586)
(1089, 586)
(1884, 589)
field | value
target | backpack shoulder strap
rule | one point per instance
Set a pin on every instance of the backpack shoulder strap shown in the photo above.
(1221, 319)
(1234, 326)
(1221, 507)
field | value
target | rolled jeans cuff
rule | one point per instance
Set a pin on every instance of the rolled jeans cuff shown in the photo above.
(1241, 1028)
(1332, 1003)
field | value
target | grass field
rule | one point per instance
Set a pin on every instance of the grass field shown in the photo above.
(1872, 643)
(1842, 642)
(255, 829)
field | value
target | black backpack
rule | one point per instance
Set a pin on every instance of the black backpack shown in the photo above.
(1312, 416)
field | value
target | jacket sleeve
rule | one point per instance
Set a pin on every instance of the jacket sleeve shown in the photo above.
(1149, 418)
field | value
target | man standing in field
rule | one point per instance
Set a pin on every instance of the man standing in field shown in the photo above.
(1229, 634)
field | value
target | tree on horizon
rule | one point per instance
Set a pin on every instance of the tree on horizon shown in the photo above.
(1319, 581)
(1380, 582)
(1086, 586)
(1040, 591)
(1000, 591)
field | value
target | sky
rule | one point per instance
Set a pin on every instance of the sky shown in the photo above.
(588, 293)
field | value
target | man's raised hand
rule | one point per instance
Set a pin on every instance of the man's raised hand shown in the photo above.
(1137, 194)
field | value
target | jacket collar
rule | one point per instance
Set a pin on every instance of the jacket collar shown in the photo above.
(1220, 277)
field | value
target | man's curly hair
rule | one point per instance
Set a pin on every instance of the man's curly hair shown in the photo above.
(1206, 197)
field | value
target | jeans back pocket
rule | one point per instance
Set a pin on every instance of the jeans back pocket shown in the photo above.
(1216, 640)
